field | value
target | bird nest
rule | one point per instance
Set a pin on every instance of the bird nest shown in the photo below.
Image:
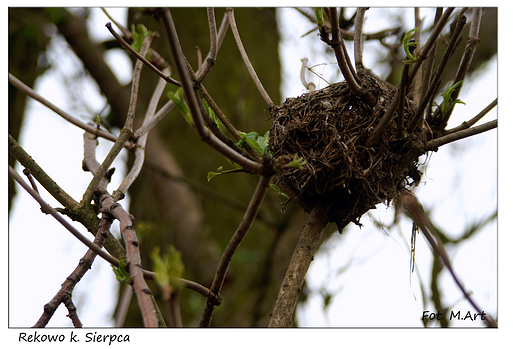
(328, 128)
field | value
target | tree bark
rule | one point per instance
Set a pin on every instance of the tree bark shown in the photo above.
(301, 260)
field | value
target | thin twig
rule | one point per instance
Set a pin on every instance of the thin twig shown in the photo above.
(455, 136)
(222, 30)
(141, 57)
(465, 63)
(89, 153)
(381, 126)
(37, 97)
(153, 121)
(414, 122)
(127, 33)
(220, 115)
(41, 176)
(84, 214)
(301, 259)
(59, 218)
(421, 218)
(126, 131)
(474, 120)
(136, 81)
(141, 142)
(380, 35)
(245, 58)
(430, 43)
(192, 101)
(64, 295)
(27, 173)
(428, 71)
(231, 248)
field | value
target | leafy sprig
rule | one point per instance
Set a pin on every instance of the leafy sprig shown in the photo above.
(260, 144)
(448, 102)
(139, 34)
(409, 46)
(168, 268)
(120, 271)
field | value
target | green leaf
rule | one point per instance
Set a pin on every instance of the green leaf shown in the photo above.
(139, 36)
(296, 162)
(211, 113)
(318, 11)
(446, 96)
(121, 274)
(279, 191)
(407, 44)
(213, 174)
(263, 141)
(260, 144)
(178, 98)
(167, 268)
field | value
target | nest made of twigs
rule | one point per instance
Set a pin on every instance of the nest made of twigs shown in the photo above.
(328, 128)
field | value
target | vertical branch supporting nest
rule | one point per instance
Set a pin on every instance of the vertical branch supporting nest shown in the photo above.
(295, 275)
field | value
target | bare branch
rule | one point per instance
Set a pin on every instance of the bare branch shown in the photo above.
(465, 63)
(87, 127)
(64, 295)
(89, 153)
(59, 218)
(308, 86)
(380, 35)
(155, 119)
(234, 243)
(136, 80)
(455, 136)
(461, 22)
(417, 82)
(474, 120)
(135, 270)
(141, 142)
(222, 30)
(220, 115)
(358, 39)
(403, 89)
(380, 127)
(336, 44)
(430, 43)
(421, 218)
(84, 214)
(126, 131)
(245, 58)
(428, 71)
